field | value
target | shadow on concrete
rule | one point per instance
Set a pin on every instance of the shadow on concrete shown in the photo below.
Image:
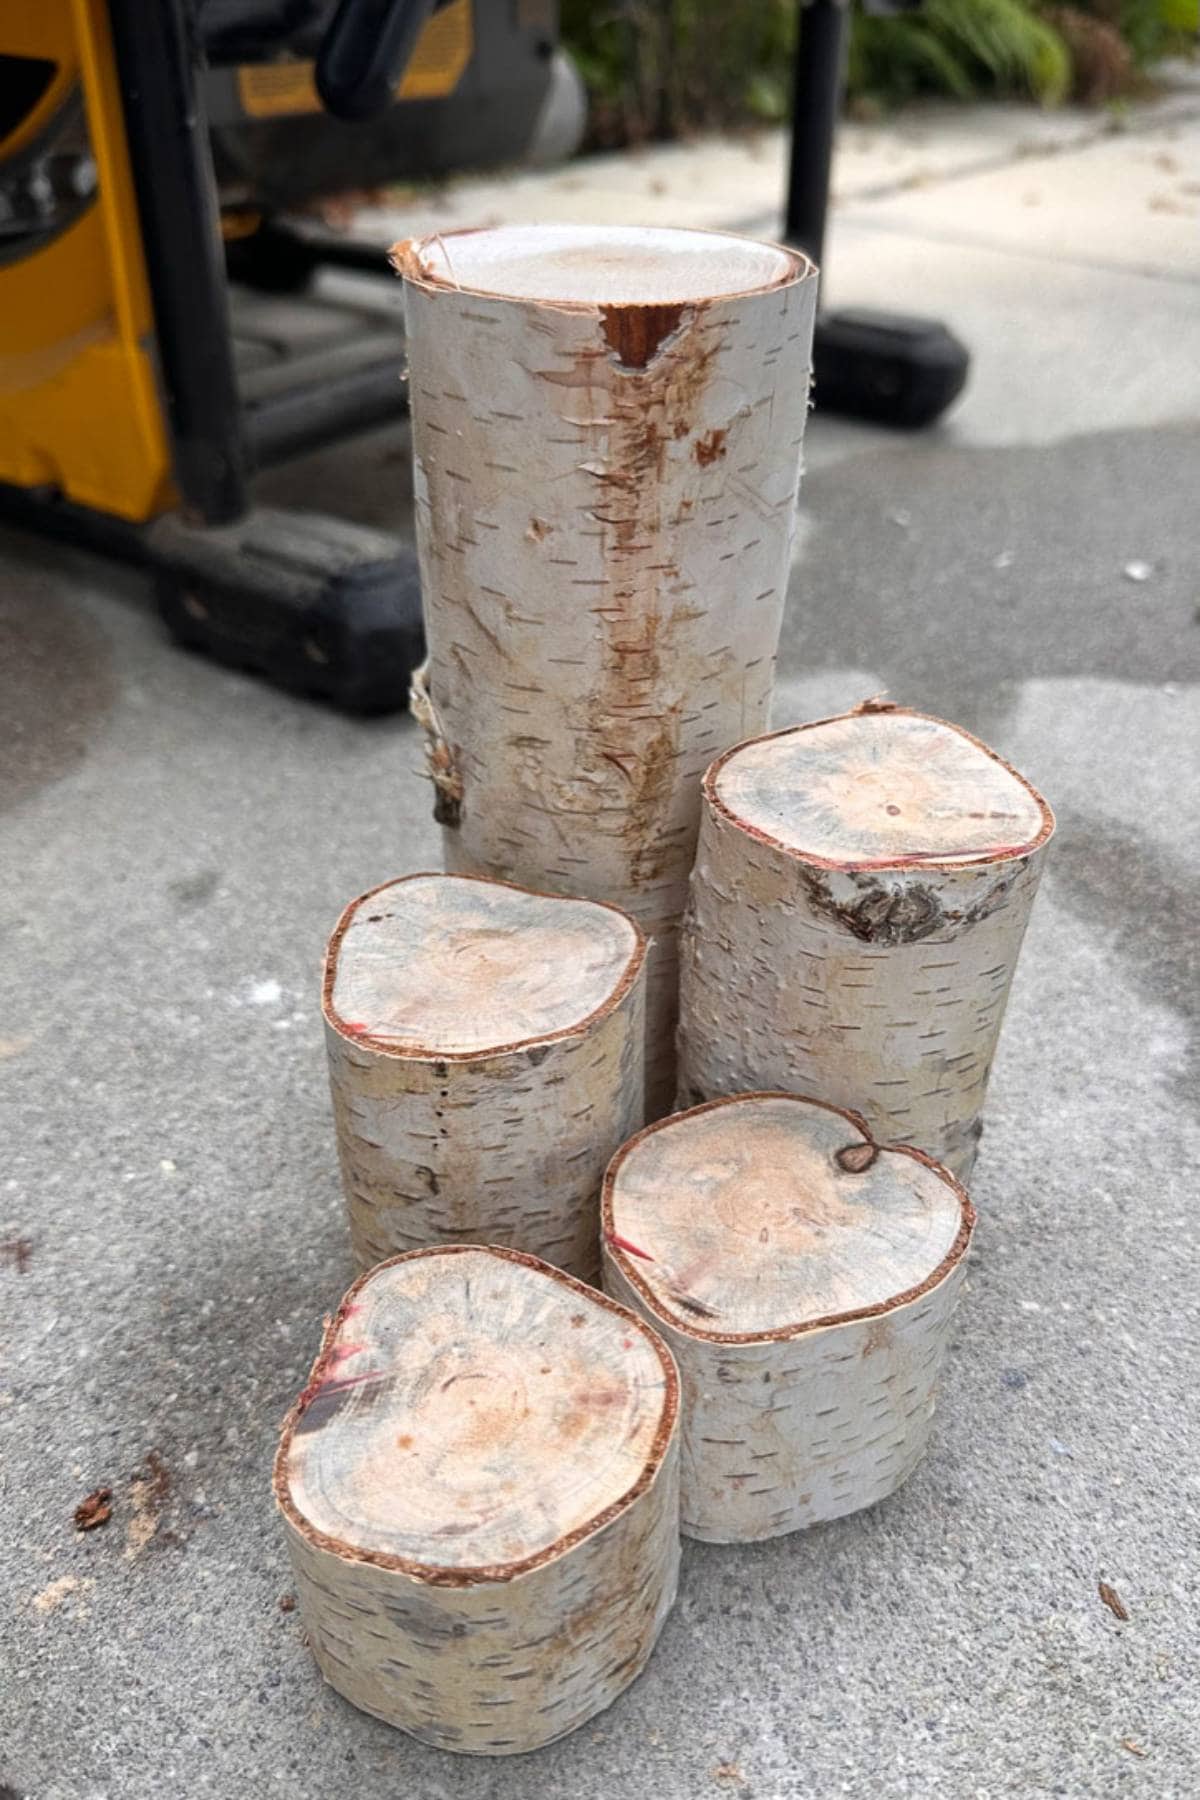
(957, 574)
(1124, 883)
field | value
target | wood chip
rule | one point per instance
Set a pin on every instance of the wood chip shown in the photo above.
(1113, 1601)
(94, 1510)
(1133, 1749)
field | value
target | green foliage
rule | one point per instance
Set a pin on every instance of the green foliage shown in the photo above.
(658, 68)
(961, 48)
(895, 59)
(1151, 28)
(655, 68)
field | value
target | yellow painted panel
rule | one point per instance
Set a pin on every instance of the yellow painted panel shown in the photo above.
(442, 53)
(79, 404)
(90, 430)
(275, 90)
(51, 296)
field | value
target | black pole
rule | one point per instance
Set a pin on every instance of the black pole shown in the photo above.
(167, 133)
(816, 100)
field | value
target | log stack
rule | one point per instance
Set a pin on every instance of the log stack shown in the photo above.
(484, 1480)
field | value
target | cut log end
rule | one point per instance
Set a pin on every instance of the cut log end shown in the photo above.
(765, 1216)
(883, 788)
(473, 1413)
(480, 1494)
(805, 1279)
(596, 265)
(443, 965)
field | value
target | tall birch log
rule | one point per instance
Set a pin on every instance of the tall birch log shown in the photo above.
(861, 890)
(805, 1280)
(485, 1058)
(480, 1493)
(607, 430)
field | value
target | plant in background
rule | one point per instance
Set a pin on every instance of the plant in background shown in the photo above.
(661, 68)
(1102, 63)
(1151, 28)
(963, 48)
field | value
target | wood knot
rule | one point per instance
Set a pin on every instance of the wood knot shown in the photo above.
(856, 1159)
(886, 915)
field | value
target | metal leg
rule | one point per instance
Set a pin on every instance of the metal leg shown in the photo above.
(816, 101)
(167, 133)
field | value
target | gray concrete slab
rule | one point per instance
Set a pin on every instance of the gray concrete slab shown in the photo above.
(176, 841)
(1056, 348)
(717, 180)
(1117, 203)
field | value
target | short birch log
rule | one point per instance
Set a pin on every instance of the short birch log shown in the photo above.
(485, 1059)
(480, 1493)
(861, 890)
(607, 429)
(805, 1280)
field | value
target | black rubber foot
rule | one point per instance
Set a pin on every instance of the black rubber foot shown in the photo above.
(886, 367)
(316, 605)
(271, 261)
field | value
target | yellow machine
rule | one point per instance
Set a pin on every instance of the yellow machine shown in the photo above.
(143, 148)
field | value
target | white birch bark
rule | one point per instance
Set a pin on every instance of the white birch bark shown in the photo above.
(479, 1488)
(805, 1281)
(485, 1059)
(607, 430)
(861, 890)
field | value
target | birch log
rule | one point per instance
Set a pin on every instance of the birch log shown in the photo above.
(485, 1058)
(480, 1494)
(861, 890)
(805, 1280)
(607, 428)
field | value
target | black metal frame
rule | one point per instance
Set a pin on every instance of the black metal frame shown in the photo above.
(167, 133)
(817, 81)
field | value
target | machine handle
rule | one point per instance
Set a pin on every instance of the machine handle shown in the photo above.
(365, 52)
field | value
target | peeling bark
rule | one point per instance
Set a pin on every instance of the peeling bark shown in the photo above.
(607, 430)
(861, 890)
(486, 1059)
(805, 1279)
(479, 1488)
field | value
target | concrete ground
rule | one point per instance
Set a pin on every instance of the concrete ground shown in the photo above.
(177, 840)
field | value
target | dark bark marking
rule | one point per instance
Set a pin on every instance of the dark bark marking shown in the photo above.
(634, 333)
(894, 915)
(709, 448)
